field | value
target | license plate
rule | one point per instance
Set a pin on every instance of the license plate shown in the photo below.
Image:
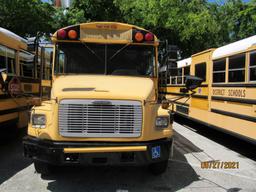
(156, 152)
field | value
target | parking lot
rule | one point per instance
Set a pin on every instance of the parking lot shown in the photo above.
(193, 144)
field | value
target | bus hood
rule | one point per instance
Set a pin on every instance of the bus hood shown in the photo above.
(103, 87)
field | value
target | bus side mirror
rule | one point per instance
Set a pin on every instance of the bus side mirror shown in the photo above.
(3, 78)
(3, 74)
(192, 82)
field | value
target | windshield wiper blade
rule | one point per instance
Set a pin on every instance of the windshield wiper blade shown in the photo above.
(118, 51)
(93, 52)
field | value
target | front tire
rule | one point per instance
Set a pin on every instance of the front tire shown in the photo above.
(43, 168)
(158, 168)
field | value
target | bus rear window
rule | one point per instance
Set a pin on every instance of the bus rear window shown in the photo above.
(200, 70)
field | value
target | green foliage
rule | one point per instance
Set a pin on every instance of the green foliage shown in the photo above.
(97, 10)
(26, 17)
(188, 24)
(239, 19)
(193, 25)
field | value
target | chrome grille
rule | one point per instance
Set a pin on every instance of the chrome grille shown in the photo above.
(100, 118)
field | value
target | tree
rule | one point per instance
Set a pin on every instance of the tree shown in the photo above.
(26, 17)
(186, 23)
(237, 19)
(97, 10)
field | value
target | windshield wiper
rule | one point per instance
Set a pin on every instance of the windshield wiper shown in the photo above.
(93, 52)
(119, 51)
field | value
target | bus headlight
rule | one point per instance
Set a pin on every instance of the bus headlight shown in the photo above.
(38, 120)
(162, 121)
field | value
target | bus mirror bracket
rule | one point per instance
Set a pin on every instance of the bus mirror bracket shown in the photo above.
(192, 82)
(3, 78)
(3, 74)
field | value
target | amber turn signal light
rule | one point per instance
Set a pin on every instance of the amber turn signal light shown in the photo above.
(139, 36)
(72, 34)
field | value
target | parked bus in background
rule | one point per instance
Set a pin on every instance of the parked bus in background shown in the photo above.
(19, 81)
(104, 106)
(226, 100)
(28, 78)
(177, 81)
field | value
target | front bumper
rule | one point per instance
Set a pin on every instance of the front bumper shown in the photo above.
(97, 153)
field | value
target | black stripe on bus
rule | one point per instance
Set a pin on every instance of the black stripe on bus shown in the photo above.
(28, 94)
(175, 86)
(174, 93)
(183, 86)
(23, 79)
(6, 124)
(180, 103)
(5, 96)
(28, 80)
(235, 115)
(235, 85)
(200, 96)
(237, 100)
(14, 110)
(185, 95)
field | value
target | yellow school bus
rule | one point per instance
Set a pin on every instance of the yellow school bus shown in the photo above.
(177, 81)
(19, 81)
(226, 100)
(104, 107)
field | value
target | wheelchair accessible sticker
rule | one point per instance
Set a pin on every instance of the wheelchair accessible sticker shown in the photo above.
(156, 152)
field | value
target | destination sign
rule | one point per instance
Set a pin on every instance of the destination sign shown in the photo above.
(106, 34)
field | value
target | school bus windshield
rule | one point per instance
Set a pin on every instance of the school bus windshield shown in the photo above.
(108, 59)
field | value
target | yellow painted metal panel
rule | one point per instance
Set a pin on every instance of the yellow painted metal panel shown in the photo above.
(105, 149)
(8, 117)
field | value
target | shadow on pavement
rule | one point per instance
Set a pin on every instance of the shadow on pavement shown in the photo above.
(11, 158)
(122, 179)
(240, 146)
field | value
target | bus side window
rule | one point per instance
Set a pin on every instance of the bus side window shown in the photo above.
(200, 70)
(185, 73)
(219, 71)
(61, 62)
(26, 64)
(236, 71)
(173, 74)
(252, 66)
(179, 76)
(11, 61)
(2, 57)
(47, 63)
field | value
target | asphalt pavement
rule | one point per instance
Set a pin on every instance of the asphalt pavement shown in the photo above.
(193, 145)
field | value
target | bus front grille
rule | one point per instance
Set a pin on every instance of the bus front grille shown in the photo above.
(100, 118)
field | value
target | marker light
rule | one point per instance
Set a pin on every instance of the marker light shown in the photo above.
(72, 34)
(139, 36)
(149, 37)
(62, 34)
